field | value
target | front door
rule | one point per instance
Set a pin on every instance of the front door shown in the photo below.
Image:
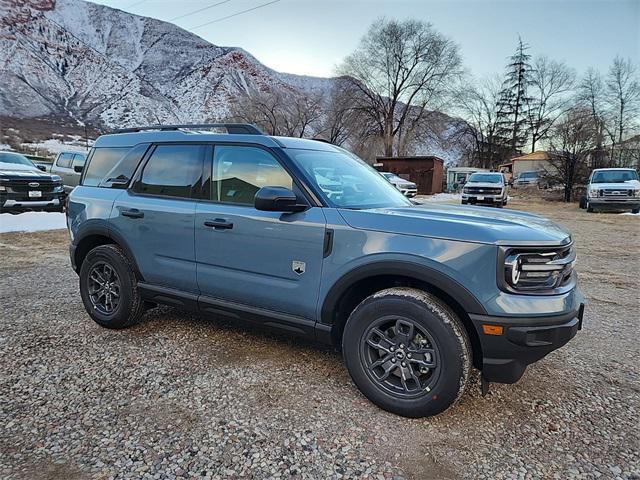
(156, 215)
(269, 260)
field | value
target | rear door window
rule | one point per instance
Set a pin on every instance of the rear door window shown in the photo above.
(64, 160)
(172, 171)
(101, 162)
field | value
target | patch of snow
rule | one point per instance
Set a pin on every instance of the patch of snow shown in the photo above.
(629, 213)
(440, 197)
(4, 146)
(32, 222)
(55, 146)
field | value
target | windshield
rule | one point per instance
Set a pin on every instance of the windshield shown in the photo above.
(528, 175)
(614, 176)
(346, 181)
(486, 177)
(15, 158)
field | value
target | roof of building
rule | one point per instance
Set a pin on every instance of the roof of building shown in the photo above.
(539, 155)
(412, 157)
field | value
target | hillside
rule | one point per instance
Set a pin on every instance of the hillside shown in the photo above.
(69, 63)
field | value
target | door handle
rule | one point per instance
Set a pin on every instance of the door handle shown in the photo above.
(132, 213)
(219, 224)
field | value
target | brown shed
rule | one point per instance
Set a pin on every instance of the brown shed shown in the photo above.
(425, 171)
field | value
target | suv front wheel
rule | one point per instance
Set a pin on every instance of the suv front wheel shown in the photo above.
(109, 288)
(407, 352)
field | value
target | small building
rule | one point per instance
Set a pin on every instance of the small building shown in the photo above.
(427, 171)
(458, 176)
(535, 161)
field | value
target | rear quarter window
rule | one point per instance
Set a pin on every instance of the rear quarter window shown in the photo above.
(109, 163)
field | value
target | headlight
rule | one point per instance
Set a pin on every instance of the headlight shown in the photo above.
(636, 193)
(465, 190)
(536, 269)
(593, 193)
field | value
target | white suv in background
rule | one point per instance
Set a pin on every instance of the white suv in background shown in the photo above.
(489, 188)
(408, 189)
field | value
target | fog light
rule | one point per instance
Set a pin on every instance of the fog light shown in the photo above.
(492, 329)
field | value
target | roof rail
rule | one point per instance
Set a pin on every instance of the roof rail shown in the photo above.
(238, 128)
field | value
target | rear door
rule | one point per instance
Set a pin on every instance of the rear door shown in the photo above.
(268, 260)
(62, 167)
(156, 214)
(79, 160)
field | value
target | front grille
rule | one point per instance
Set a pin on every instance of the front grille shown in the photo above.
(484, 190)
(538, 270)
(22, 186)
(616, 193)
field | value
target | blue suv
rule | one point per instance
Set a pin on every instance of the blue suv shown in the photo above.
(303, 236)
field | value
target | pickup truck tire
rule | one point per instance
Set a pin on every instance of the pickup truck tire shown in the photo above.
(407, 352)
(589, 207)
(635, 210)
(109, 288)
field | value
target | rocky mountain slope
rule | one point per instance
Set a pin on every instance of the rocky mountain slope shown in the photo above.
(89, 62)
(75, 62)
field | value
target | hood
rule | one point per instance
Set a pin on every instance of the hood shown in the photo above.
(483, 185)
(26, 172)
(628, 185)
(463, 223)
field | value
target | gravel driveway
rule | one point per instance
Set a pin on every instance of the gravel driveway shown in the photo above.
(183, 397)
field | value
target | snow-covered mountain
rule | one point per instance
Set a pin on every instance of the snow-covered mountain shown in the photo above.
(72, 62)
(85, 61)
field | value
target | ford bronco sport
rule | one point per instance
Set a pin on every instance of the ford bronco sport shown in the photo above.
(238, 224)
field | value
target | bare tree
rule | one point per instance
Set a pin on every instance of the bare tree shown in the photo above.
(622, 88)
(400, 68)
(477, 103)
(572, 141)
(280, 113)
(590, 95)
(342, 120)
(549, 96)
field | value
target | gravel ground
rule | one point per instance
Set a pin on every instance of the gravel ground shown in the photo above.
(183, 397)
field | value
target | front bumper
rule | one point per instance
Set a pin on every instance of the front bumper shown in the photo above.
(473, 198)
(523, 341)
(11, 203)
(628, 203)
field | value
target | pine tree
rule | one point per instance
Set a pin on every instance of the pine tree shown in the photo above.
(513, 100)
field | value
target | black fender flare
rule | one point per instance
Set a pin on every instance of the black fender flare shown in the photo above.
(416, 271)
(101, 227)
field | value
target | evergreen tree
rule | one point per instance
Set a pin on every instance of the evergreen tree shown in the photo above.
(513, 100)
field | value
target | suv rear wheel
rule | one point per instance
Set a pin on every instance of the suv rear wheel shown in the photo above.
(109, 288)
(407, 352)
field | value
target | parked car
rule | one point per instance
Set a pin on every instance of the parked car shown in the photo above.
(531, 178)
(69, 166)
(489, 188)
(612, 189)
(24, 187)
(241, 225)
(407, 188)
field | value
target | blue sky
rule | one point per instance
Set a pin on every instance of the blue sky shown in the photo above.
(311, 37)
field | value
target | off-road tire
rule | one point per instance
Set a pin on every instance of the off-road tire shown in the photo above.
(130, 306)
(429, 314)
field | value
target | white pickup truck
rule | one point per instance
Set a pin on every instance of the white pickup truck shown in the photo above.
(612, 189)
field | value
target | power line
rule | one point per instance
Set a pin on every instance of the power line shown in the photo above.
(198, 11)
(135, 4)
(233, 15)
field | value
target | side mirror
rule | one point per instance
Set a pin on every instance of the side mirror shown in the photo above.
(277, 199)
(41, 167)
(78, 168)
